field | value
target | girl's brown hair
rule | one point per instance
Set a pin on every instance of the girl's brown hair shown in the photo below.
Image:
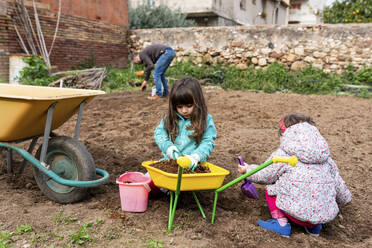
(295, 118)
(187, 91)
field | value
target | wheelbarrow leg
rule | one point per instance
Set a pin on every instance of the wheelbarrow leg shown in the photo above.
(170, 210)
(198, 203)
(214, 206)
(47, 128)
(80, 114)
(174, 206)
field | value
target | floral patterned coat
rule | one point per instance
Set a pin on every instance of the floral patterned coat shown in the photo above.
(312, 189)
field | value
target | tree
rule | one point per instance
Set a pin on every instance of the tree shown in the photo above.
(349, 11)
(147, 16)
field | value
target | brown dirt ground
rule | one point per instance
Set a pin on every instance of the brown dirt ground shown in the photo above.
(117, 129)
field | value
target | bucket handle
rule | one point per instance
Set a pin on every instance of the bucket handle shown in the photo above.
(146, 185)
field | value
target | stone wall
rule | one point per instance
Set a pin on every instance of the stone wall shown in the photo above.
(330, 47)
(88, 29)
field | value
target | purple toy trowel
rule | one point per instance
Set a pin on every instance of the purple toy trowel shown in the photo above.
(247, 187)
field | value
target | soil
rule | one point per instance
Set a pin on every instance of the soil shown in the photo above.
(172, 167)
(117, 130)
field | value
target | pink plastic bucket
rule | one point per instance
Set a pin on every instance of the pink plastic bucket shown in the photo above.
(134, 191)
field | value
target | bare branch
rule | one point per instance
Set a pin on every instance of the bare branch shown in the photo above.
(57, 25)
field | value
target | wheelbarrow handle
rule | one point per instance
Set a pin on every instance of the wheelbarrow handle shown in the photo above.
(183, 161)
(290, 160)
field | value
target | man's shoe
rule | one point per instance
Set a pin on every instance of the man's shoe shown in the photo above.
(273, 225)
(314, 231)
(154, 97)
(143, 86)
(165, 95)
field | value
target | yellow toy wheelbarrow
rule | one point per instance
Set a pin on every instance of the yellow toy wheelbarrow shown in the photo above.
(64, 169)
(200, 181)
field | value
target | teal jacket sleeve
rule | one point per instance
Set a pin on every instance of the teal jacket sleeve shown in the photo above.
(162, 138)
(206, 145)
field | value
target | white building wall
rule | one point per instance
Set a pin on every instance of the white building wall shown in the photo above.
(309, 11)
(226, 12)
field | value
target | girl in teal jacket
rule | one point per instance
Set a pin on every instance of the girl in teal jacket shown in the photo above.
(187, 128)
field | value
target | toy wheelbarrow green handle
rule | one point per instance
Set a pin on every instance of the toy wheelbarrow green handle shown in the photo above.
(290, 160)
(54, 176)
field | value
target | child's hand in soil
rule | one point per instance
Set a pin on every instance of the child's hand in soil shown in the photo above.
(242, 168)
(194, 159)
(173, 153)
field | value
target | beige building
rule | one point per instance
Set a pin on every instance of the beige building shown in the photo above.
(227, 12)
(307, 11)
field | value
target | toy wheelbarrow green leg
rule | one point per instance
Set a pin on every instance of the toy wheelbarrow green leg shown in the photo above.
(291, 160)
(183, 162)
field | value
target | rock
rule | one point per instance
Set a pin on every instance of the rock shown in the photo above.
(248, 54)
(254, 60)
(242, 66)
(238, 50)
(318, 64)
(309, 59)
(297, 65)
(28, 186)
(262, 62)
(317, 54)
(291, 57)
(266, 51)
(299, 51)
(236, 44)
(276, 55)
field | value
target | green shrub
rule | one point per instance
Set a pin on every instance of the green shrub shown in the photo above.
(274, 78)
(120, 79)
(349, 76)
(147, 16)
(364, 76)
(36, 73)
(311, 80)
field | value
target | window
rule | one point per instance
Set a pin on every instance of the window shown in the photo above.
(295, 6)
(263, 4)
(243, 4)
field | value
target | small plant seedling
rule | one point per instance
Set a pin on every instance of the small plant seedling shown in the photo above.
(5, 238)
(100, 221)
(81, 236)
(23, 229)
(61, 218)
(112, 234)
(153, 243)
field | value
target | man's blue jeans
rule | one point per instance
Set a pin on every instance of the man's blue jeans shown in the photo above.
(159, 72)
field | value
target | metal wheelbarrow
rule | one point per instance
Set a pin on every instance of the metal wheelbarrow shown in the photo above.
(63, 168)
(201, 181)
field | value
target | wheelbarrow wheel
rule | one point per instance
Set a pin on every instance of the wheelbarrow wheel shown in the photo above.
(70, 160)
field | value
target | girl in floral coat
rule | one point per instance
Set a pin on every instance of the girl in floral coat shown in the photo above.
(307, 194)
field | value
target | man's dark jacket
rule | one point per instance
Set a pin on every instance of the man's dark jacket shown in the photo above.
(149, 56)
